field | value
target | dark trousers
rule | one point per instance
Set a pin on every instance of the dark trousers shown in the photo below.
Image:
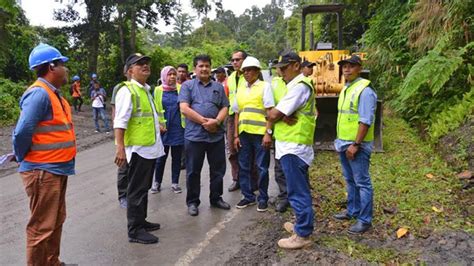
(140, 174)
(122, 180)
(77, 106)
(195, 153)
(176, 152)
(280, 180)
(252, 143)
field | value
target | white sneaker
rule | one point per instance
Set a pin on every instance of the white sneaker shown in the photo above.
(176, 189)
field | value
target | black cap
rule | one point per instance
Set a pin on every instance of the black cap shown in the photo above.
(353, 60)
(308, 64)
(287, 59)
(219, 70)
(133, 58)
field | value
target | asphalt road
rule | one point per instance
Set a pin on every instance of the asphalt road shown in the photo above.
(95, 229)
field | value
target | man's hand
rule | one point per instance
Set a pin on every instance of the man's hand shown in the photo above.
(120, 157)
(290, 120)
(211, 125)
(163, 129)
(351, 152)
(267, 141)
(237, 144)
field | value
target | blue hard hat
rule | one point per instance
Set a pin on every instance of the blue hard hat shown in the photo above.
(94, 75)
(44, 53)
(76, 78)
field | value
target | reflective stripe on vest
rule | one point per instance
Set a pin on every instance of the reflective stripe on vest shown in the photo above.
(53, 141)
(303, 131)
(348, 114)
(141, 130)
(232, 85)
(252, 113)
(159, 103)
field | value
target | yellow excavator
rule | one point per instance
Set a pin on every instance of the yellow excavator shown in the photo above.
(328, 79)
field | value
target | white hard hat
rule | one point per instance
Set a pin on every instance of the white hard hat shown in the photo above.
(251, 61)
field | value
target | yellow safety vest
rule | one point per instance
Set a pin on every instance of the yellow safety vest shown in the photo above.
(159, 103)
(279, 89)
(303, 131)
(232, 85)
(252, 114)
(348, 114)
(141, 129)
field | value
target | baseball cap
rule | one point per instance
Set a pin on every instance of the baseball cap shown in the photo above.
(354, 59)
(133, 58)
(287, 59)
(307, 64)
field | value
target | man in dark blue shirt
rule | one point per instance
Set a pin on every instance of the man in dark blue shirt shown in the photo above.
(204, 104)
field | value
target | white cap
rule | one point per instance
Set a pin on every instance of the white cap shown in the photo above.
(251, 61)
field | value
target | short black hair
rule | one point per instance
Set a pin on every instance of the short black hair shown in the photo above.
(43, 69)
(183, 65)
(244, 54)
(202, 58)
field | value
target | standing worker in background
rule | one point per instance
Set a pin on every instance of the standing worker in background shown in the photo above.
(166, 99)
(98, 97)
(253, 133)
(90, 88)
(294, 118)
(122, 172)
(355, 134)
(45, 146)
(137, 135)
(307, 68)
(182, 76)
(279, 90)
(76, 93)
(205, 106)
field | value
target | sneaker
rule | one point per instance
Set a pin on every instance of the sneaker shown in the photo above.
(262, 206)
(107, 132)
(289, 227)
(176, 189)
(123, 203)
(294, 242)
(142, 237)
(96, 131)
(155, 188)
(244, 203)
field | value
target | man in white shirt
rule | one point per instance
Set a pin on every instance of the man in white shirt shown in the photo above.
(137, 134)
(98, 96)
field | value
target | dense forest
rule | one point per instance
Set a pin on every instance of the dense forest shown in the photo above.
(420, 53)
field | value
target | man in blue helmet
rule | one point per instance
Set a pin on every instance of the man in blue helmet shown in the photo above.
(45, 146)
(90, 88)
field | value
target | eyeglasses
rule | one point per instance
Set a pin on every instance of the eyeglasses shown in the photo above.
(235, 59)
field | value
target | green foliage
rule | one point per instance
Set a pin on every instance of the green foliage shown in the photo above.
(10, 94)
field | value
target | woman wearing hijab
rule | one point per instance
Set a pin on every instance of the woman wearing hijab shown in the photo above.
(172, 128)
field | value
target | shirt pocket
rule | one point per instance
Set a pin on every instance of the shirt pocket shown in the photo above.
(216, 98)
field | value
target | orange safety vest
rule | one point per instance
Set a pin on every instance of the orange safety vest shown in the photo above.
(53, 140)
(76, 89)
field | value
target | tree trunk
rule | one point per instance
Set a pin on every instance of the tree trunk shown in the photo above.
(94, 17)
(121, 22)
(133, 29)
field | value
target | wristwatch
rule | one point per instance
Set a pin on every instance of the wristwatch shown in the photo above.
(269, 131)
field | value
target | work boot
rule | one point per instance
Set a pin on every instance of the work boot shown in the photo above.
(142, 237)
(151, 226)
(234, 186)
(289, 227)
(193, 210)
(342, 216)
(359, 228)
(294, 242)
(282, 206)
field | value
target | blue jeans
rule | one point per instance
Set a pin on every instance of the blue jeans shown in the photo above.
(195, 152)
(299, 193)
(358, 185)
(100, 112)
(252, 143)
(175, 164)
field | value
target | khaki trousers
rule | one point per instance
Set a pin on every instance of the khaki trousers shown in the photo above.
(47, 193)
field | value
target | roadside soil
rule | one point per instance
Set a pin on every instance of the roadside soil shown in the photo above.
(85, 136)
(260, 246)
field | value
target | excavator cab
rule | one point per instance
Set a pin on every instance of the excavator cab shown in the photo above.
(329, 81)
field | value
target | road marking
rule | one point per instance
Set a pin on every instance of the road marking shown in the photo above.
(194, 252)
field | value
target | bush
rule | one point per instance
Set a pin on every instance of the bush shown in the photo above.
(10, 94)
